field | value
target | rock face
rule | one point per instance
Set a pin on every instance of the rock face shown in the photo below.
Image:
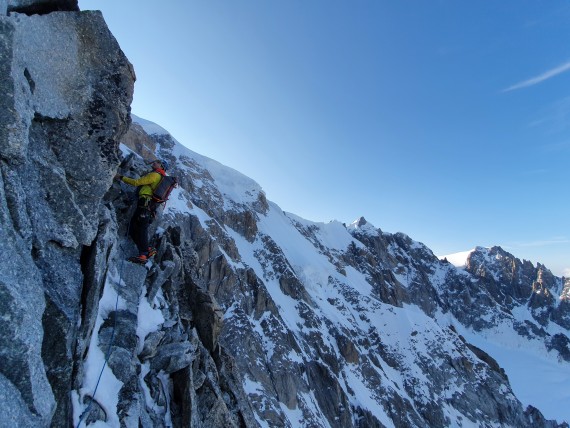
(248, 316)
(65, 94)
(513, 283)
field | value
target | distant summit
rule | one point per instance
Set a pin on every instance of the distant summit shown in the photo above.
(363, 225)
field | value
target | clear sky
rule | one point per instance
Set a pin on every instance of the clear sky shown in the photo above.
(446, 120)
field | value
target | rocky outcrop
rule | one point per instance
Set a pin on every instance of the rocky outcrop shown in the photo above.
(512, 283)
(166, 358)
(65, 96)
(140, 142)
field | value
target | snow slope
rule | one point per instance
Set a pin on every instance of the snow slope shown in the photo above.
(457, 259)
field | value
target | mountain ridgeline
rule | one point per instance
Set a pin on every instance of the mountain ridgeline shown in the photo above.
(248, 316)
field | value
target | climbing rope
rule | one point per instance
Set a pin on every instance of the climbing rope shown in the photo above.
(107, 355)
(111, 341)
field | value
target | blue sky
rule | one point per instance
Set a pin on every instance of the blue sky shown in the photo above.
(446, 120)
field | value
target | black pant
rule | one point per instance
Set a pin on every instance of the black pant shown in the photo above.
(138, 228)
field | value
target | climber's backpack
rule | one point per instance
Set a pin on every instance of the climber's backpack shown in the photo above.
(165, 186)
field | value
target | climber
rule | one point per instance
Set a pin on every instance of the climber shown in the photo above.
(146, 209)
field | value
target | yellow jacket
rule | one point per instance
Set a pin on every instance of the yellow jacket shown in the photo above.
(147, 182)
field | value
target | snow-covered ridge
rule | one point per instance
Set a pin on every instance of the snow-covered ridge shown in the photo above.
(459, 259)
(149, 127)
(341, 294)
(234, 185)
(363, 226)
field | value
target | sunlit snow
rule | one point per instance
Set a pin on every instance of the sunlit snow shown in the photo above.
(457, 259)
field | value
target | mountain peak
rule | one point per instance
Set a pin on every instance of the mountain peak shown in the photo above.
(363, 225)
(361, 221)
